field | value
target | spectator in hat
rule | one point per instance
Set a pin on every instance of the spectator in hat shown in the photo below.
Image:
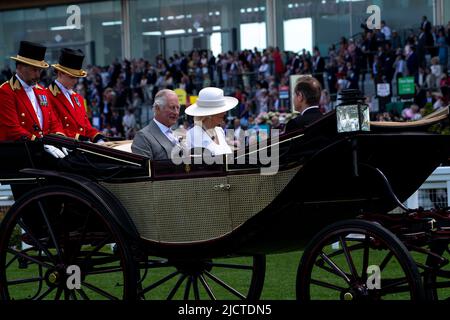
(69, 105)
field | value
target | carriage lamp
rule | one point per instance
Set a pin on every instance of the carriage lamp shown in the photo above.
(352, 113)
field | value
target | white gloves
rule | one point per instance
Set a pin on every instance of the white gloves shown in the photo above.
(100, 141)
(57, 153)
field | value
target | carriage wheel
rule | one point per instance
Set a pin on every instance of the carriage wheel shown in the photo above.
(436, 276)
(58, 243)
(357, 260)
(220, 279)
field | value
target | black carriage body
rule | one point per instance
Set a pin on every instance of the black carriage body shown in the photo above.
(222, 210)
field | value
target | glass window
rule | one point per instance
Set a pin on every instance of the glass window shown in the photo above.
(99, 36)
(181, 25)
(333, 19)
(294, 43)
(433, 198)
(257, 30)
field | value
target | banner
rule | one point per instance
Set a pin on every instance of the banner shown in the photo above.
(182, 96)
(406, 86)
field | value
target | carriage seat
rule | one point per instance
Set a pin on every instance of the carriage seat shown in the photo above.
(123, 145)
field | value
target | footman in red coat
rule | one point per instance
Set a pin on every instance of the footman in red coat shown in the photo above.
(69, 105)
(26, 112)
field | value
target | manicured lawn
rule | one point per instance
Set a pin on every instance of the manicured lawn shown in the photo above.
(280, 279)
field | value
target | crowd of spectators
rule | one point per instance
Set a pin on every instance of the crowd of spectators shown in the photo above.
(118, 95)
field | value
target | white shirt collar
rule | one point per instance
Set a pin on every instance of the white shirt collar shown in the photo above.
(25, 86)
(162, 127)
(313, 107)
(63, 88)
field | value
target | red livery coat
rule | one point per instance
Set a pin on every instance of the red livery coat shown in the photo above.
(18, 120)
(74, 119)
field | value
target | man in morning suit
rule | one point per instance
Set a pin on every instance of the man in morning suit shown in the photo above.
(157, 140)
(26, 112)
(69, 105)
(306, 101)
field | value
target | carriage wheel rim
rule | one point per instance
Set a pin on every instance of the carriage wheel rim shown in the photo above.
(357, 289)
(54, 278)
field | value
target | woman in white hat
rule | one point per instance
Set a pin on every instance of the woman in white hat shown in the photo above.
(208, 112)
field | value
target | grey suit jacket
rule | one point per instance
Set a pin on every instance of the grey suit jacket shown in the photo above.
(152, 143)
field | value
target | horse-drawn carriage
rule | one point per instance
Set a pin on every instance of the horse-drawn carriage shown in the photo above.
(140, 229)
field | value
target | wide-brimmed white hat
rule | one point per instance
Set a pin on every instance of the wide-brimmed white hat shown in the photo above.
(211, 101)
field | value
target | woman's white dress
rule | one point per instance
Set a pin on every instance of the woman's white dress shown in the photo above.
(197, 138)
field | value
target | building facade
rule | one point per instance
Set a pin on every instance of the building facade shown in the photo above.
(116, 29)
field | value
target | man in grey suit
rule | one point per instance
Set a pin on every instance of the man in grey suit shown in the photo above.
(157, 140)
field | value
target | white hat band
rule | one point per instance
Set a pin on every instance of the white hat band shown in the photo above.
(211, 103)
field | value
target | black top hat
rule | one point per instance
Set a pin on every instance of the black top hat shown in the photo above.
(31, 53)
(70, 62)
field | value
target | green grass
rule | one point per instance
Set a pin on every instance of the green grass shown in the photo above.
(280, 279)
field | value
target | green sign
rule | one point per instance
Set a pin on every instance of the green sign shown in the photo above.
(406, 86)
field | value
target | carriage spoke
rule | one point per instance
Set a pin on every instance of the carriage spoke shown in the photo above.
(73, 294)
(176, 287)
(83, 294)
(46, 293)
(207, 287)
(22, 281)
(224, 285)
(40, 282)
(350, 248)
(14, 258)
(365, 258)
(103, 270)
(195, 287)
(159, 282)
(393, 285)
(58, 293)
(83, 235)
(50, 230)
(386, 260)
(338, 270)
(30, 258)
(187, 288)
(231, 266)
(348, 257)
(328, 269)
(326, 285)
(99, 291)
(67, 294)
(97, 248)
(37, 242)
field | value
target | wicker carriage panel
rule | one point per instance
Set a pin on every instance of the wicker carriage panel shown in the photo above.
(137, 198)
(249, 194)
(176, 210)
(191, 209)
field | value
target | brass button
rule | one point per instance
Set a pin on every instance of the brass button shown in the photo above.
(40, 132)
(22, 123)
(23, 114)
(65, 118)
(67, 125)
(81, 129)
